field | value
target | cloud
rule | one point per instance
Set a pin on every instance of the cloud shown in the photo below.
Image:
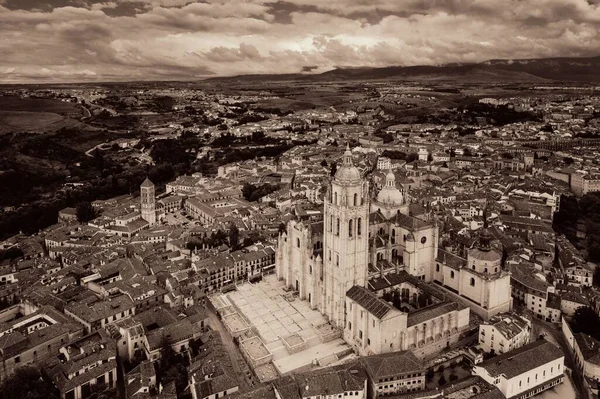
(183, 39)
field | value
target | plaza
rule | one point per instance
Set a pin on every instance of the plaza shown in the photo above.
(298, 337)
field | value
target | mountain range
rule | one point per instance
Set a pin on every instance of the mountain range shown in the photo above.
(567, 69)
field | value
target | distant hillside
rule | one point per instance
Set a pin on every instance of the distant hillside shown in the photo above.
(493, 71)
(461, 73)
(566, 69)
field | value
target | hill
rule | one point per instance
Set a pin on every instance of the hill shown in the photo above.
(493, 71)
(564, 69)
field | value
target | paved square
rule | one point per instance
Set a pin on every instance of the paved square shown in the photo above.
(273, 317)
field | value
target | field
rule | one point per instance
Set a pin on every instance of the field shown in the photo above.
(13, 103)
(29, 115)
(32, 122)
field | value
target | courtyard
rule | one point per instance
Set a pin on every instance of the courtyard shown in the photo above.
(298, 337)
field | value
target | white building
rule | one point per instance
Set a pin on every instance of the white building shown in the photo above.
(384, 163)
(504, 332)
(394, 373)
(479, 279)
(373, 326)
(526, 371)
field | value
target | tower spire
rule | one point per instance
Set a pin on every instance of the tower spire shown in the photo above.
(347, 156)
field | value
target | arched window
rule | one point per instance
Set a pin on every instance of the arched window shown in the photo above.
(393, 236)
(350, 227)
(485, 270)
(359, 226)
(473, 267)
(394, 253)
(337, 229)
(355, 199)
(452, 274)
(437, 267)
(495, 270)
(330, 222)
(337, 259)
(335, 198)
(298, 242)
(472, 282)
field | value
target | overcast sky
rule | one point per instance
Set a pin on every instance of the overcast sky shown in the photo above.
(79, 40)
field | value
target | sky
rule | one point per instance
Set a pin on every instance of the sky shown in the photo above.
(124, 40)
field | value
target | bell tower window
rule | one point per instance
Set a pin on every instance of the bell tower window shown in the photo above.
(350, 227)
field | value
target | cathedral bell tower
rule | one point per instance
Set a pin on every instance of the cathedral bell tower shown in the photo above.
(148, 202)
(346, 237)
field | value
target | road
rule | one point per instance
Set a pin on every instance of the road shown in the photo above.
(556, 336)
(239, 363)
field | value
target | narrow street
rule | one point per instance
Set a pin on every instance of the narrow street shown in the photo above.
(239, 363)
(555, 335)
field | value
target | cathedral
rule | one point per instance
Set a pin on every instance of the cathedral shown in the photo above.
(365, 249)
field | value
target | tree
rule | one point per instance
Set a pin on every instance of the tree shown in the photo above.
(442, 381)
(324, 163)
(167, 354)
(467, 152)
(586, 320)
(568, 160)
(429, 158)
(282, 228)
(333, 166)
(453, 377)
(429, 375)
(412, 157)
(28, 383)
(234, 235)
(596, 277)
(85, 212)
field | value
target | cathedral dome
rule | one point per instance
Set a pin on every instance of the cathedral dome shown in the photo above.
(390, 194)
(390, 176)
(348, 173)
